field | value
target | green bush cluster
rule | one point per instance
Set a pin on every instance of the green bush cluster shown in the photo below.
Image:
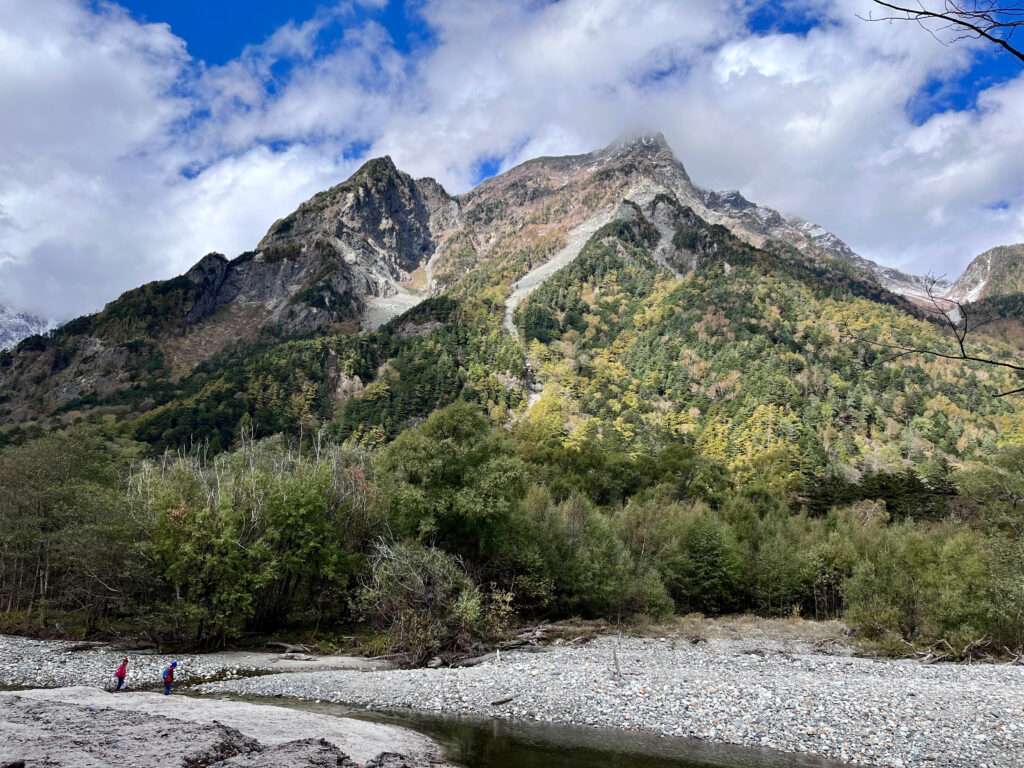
(435, 540)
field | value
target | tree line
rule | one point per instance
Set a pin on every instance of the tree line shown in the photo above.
(459, 528)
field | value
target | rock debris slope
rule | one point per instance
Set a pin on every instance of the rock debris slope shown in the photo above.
(996, 272)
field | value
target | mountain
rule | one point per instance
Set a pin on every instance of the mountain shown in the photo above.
(15, 326)
(997, 272)
(334, 263)
(914, 287)
(595, 297)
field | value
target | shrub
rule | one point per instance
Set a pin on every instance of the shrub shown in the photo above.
(422, 602)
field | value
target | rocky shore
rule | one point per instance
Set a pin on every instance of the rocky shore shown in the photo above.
(29, 663)
(85, 727)
(865, 712)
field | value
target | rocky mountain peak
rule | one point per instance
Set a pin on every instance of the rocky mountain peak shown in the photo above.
(208, 269)
(378, 206)
(644, 148)
(649, 143)
(996, 272)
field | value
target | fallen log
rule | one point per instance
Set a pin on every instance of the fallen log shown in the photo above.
(474, 660)
(289, 647)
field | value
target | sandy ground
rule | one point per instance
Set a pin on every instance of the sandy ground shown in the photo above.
(269, 725)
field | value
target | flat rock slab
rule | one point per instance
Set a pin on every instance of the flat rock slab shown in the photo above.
(267, 724)
(49, 733)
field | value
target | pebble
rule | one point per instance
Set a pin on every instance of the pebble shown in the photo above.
(51, 664)
(859, 711)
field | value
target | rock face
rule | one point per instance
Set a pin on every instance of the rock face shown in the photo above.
(901, 283)
(15, 326)
(643, 168)
(369, 237)
(360, 249)
(997, 272)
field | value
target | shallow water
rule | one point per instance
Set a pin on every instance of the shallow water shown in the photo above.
(476, 742)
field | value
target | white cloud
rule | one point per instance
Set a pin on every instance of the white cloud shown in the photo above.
(103, 113)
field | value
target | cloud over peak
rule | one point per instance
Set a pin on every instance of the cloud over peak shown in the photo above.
(125, 159)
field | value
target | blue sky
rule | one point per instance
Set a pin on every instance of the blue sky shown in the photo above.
(217, 32)
(141, 135)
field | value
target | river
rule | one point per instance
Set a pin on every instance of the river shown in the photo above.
(475, 742)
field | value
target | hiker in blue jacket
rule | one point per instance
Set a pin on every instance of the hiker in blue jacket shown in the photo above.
(169, 678)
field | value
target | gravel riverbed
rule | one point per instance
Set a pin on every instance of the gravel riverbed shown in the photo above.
(866, 712)
(55, 664)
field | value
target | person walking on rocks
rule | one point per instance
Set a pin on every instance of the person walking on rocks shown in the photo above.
(169, 678)
(121, 673)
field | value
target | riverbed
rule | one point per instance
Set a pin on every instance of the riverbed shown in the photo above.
(482, 742)
(860, 711)
(776, 698)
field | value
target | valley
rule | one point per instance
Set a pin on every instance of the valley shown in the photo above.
(720, 694)
(412, 424)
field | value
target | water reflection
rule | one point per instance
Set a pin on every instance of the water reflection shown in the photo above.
(476, 742)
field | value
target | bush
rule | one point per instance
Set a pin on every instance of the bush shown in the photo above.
(422, 602)
(258, 539)
(453, 481)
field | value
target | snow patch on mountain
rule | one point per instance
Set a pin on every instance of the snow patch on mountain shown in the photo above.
(15, 326)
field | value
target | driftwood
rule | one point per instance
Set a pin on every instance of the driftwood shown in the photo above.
(472, 661)
(499, 702)
(978, 651)
(141, 646)
(84, 646)
(508, 645)
(289, 647)
(540, 632)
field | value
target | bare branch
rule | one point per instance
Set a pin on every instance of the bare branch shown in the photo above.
(959, 327)
(1019, 391)
(962, 19)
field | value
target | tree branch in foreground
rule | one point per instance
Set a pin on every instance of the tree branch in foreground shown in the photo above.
(959, 322)
(953, 20)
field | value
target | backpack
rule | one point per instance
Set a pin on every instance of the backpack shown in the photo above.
(167, 675)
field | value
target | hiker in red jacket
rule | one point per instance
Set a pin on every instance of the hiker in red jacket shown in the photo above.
(121, 673)
(169, 678)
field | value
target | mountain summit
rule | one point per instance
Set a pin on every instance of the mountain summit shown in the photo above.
(15, 326)
(373, 248)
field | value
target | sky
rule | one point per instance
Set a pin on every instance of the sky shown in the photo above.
(136, 137)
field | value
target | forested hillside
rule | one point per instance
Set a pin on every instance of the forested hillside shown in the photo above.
(691, 416)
